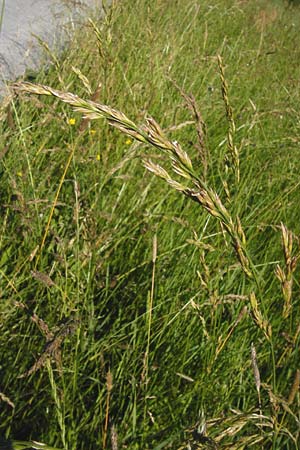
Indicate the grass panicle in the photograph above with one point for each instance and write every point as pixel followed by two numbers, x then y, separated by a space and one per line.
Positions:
pixel 181 163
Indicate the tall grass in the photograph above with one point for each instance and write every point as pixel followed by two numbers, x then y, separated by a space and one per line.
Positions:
pixel 150 249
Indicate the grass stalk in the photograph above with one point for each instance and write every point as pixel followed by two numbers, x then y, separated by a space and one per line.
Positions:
pixel 47 228
pixel 58 404
pixel 2 15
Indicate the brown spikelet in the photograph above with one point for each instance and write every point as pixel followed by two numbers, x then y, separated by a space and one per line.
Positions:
pixel 114 438
pixel 256 372
pixel 295 387
pixel 53 347
pixel 43 278
pixel 109 381
pixel 278 402
pixel 109 386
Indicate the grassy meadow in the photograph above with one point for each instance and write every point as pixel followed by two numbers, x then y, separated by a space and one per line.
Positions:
pixel 149 273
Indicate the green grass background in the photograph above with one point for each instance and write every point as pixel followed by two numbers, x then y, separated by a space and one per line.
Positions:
pixel 109 211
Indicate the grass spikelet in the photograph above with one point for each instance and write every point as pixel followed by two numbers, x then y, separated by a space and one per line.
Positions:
pixel 83 79
pixel 256 372
pixel 200 128
pixel 279 404
pixel 22 445
pixel 262 323
pixel 285 276
pixel 99 39
pixel 5 399
pixel 109 386
pixel 233 150
pixel 224 433
pixel 157 170
pixel 43 278
pixel 222 343
pixel 53 345
pixel 114 438
pixel 295 388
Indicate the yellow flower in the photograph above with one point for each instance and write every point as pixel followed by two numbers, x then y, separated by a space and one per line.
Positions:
pixel 128 141
pixel 72 121
pixel 20 174
pixel 98 157
pixel 92 131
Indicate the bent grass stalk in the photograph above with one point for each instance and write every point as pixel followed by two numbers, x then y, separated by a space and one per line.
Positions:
pixel 181 164
pixel 62 179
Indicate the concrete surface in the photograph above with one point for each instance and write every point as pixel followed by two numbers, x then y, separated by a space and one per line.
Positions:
pixel 51 20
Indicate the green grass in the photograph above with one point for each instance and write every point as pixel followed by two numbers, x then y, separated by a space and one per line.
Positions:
pixel 127 309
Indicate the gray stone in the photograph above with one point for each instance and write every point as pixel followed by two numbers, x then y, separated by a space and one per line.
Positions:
pixel 51 20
